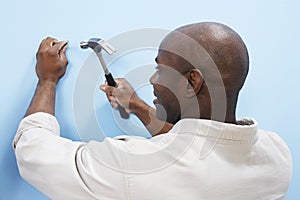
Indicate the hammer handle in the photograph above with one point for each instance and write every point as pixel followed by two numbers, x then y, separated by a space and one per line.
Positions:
pixel 111 82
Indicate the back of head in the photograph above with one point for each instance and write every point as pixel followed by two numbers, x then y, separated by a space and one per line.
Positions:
pixel 221 56
pixel 226 49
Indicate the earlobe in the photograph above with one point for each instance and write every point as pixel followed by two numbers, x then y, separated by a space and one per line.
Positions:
pixel 194 83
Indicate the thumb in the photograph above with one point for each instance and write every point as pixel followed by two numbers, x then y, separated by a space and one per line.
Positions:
pixel 107 89
pixel 62 50
pixel 61 47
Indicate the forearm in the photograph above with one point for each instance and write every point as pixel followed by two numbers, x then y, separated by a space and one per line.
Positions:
pixel 43 99
pixel 148 117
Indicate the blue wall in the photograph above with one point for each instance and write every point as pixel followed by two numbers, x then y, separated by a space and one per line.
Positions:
pixel 270 29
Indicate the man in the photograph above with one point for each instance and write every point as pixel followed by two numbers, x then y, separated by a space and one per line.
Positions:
pixel 200 150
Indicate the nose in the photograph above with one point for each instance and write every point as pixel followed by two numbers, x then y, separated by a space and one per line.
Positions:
pixel 153 78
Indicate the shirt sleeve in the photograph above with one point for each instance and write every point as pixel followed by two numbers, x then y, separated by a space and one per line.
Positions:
pixel 47 161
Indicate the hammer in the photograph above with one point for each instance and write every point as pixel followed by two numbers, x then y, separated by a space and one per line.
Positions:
pixel 97 45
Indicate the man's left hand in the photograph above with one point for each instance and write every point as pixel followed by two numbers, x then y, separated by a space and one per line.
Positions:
pixel 51 60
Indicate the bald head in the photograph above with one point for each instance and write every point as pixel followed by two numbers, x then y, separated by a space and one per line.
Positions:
pixel 219 54
pixel 225 47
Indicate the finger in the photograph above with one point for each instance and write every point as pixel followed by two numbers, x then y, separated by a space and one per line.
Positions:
pixel 121 82
pixel 64 49
pixel 114 105
pixel 127 110
pixel 118 80
pixel 107 96
pixel 102 88
pixel 109 90
pixel 60 46
pixel 50 41
pixel 53 41
pixel 46 43
pixel 112 99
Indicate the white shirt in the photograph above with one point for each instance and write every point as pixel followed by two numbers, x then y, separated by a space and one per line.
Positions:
pixel 197 159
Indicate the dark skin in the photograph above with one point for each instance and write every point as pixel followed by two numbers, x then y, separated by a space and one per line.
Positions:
pixel 186 90
pixel 50 67
pixel 133 104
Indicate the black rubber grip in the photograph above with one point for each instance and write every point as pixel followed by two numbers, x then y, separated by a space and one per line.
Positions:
pixel 111 82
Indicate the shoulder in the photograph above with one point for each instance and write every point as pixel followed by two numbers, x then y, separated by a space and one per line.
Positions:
pixel 273 140
pixel 273 147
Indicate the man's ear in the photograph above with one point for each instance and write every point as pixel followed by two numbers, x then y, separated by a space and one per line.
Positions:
pixel 195 82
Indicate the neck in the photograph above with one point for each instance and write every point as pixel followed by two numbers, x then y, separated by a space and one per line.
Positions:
pixel 226 116
pixel 225 113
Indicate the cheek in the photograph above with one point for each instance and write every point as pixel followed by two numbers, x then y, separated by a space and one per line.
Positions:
pixel 168 98
pixel 166 87
pixel 165 79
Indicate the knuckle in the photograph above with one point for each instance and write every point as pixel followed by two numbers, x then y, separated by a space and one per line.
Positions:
pixel 49 38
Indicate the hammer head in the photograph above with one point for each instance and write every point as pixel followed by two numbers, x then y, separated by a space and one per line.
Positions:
pixel 97 45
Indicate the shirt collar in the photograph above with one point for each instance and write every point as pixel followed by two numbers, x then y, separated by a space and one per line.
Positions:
pixel 225 132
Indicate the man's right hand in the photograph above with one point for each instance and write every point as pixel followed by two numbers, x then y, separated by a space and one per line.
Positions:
pixel 123 95
pixel 51 60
